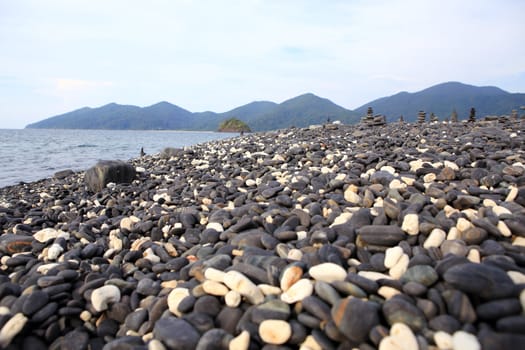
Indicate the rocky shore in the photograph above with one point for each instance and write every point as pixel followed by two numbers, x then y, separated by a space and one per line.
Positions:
pixel 397 236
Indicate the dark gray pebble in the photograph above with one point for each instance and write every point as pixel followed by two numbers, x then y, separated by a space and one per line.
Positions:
pixel 176 333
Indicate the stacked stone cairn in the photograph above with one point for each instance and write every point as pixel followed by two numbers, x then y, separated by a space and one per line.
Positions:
pixel 472 115
pixel 373 120
pixel 433 118
pixel 421 117
pixel 307 238
pixel 454 116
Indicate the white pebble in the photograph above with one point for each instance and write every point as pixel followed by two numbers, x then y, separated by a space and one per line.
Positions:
pixel 275 331
pixel 504 229
pixel 328 272
pixel 387 292
pixel 351 196
pixel 400 267
pixel 435 238
pixel 174 299
pixel 474 256
pixel 519 241
pixel 46 234
pixel 513 193
pixel 215 226
pixel 54 251
pixel 103 296
pixel 374 276
pixel 522 300
pixel 268 289
pixel 343 218
pixel 215 288
pixel 214 274
pixel 295 254
pixel 443 340
pixel 396 184
pixel 462 340
pixel 127 223
pixel 463 225
pixel 430 177
pixel 240 342
pixel 411 224
pixel 453 234
pixel 242 284
pixel 11 328
pixel 150 255
pixel 298 291
pixel 499 210
pixel 401 338
pixel 392 256
pixel 232 298
pixel 516 277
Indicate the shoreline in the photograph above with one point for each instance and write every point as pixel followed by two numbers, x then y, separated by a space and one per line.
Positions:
pixel 322 237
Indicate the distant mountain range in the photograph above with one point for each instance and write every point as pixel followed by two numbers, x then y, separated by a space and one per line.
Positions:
pixel 300 111
pixel 442 99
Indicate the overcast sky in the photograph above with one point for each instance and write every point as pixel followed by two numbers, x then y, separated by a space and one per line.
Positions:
pixel 61 55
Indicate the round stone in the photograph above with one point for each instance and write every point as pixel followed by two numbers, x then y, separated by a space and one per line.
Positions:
pixel 298 291
pixel 11 328
pixel 434 240
pixel 411 224
pixel 240 283
pixel 275 331
pixel 392 256
pixel 215 288
pixel 327 272
pixel 465 341
pixel 401 338
pixel 103 296
pixel 174 299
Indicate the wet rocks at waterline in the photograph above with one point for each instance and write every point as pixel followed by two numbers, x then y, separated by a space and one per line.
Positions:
pixel 398 236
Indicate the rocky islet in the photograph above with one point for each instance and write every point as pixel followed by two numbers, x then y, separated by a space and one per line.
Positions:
pixel 388 236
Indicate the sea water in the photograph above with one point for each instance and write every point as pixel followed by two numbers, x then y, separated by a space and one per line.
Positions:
pixel 32 154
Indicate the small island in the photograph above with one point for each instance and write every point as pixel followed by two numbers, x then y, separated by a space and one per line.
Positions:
pixel 234 125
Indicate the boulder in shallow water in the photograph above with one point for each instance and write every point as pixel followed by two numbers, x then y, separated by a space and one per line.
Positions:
pixel 106 171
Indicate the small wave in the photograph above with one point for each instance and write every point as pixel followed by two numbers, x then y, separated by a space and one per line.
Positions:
pixel 86 145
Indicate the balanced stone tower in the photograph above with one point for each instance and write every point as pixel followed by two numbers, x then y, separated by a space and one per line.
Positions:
pixel 433 117
pixel 472 116
pixel 454 116
pixel 373 120
pixel 421 117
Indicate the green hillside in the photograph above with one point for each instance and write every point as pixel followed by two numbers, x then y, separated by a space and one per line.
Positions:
pixel 442 99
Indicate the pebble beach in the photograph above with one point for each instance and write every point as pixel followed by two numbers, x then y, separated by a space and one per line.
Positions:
pixel 396 236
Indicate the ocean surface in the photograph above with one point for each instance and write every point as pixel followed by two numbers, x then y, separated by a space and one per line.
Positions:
pixel 33 154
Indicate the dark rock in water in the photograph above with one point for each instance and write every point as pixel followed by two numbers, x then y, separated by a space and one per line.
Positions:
pixel 355 318
pixel 176 333
pixel 479 279
pixel 106 171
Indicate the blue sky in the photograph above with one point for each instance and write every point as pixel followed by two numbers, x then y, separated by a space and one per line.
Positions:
pixel 61 55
